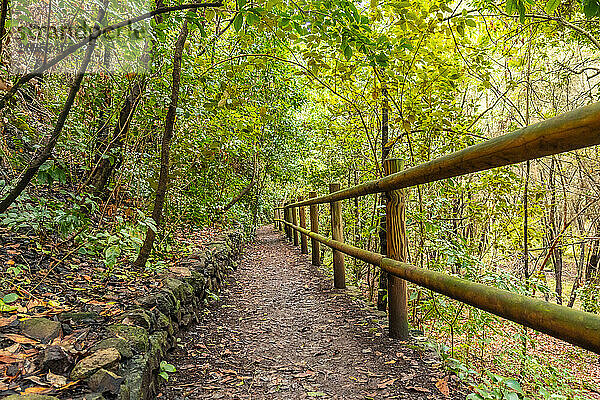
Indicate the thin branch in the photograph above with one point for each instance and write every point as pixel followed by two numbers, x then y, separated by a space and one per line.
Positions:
pixel 93 36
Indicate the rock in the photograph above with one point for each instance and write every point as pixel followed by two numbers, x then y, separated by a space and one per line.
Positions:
pixel 194 262
pixel 105 358
pixel 93 396
pixel 180 272
pixel 121 345
pixel 138 379
pixel 162 321
pixel 41 329
pixel 162 301
pixel 104 381
pixel 30 397
pixel 79 317
pixel 197 281
pixel 140 318
pixel 158 349
pixel 137 336
pixel 186 318
pixel 56 360
pixel 182 290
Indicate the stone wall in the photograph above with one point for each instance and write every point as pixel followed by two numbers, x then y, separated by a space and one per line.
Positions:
pixel 125 364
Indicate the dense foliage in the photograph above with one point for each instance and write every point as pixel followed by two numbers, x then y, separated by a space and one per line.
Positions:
pixel 280 98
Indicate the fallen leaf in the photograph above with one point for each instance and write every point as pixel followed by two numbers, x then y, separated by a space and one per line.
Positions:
pixel 305 374
pixel 35 379
pixel 384 384
pixel 37 390
pixel 4 86
pixel 419 389
pixel 7 321
pixel 6 359
pixel 56 380
pixel 35 303
pixel 68 385
pixel 20 338
pixel 442 385
pixel 229 371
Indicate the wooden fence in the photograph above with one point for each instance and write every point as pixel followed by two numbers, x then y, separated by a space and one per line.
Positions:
pixel 574 130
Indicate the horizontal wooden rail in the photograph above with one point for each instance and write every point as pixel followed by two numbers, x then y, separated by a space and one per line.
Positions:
pixel 570 131
pixel 573 326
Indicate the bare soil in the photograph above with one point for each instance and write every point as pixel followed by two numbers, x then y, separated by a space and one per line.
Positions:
pixel 280 331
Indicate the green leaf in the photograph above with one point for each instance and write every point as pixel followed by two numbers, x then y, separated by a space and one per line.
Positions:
pixel 474 396
pixel 507 395
pixel 164 375
pixel 237 22
pixel 514 385
pixel 521 8
pixel 170 368
pixel 551 5
pixel 511 7
pixel 5 307
pixel 445 8
pixel 10 298
pixel 590 8
pixel 347 52
pixel 316 394
pixel 251 19
pixel 241 3
pixel 166 367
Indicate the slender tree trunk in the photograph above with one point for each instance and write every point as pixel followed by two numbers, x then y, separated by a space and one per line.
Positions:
pixel 3 15
pixel 259 189
pixel 553 232
pixel 111 157
pixel 244 191
pixel 591 268
pixel 163 180
pixel 580 268
pixel 385 151
pixel 46 152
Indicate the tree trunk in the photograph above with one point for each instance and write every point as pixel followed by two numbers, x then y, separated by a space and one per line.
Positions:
pixel 46 152
pixel 163 180
pixel 244 191
pixel 111 157
pixel 385 151
pixel 591 269
pixel 3 14
pixel 557 260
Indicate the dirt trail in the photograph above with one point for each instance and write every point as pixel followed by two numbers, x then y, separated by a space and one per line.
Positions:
pixel 279 331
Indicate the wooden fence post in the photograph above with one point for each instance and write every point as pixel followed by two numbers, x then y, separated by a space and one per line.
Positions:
pixel 337 233
pixel 280 213
pixel 275 217
pixel 315 245
pixel 397 249
pixel 280 217
pixel 295 222
pixel 303 241
pixel 287 216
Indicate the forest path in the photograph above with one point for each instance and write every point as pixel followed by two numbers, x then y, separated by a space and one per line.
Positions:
pixel 280 331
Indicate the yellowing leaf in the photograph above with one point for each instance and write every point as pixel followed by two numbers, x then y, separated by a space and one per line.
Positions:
pixel 37 390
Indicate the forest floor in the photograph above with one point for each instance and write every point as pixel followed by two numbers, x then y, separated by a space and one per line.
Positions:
pixel 53 281
pixel 280 331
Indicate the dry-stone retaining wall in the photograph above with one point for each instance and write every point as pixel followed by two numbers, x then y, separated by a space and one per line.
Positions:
pixel 125 365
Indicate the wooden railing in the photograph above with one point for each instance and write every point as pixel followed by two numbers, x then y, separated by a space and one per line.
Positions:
pixel 574 130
